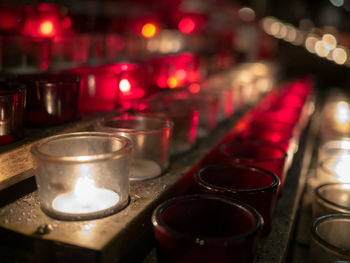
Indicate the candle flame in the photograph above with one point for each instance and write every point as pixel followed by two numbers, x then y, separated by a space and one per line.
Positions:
pixel 85 187
pixel 124 85
pixel 46 28
pixel 343 112
pixel 149 30
pixel 341 168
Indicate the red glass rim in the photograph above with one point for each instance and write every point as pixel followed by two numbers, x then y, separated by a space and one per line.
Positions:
pixel 158 221
pixel 249 143
pixel 179 110
pixel 200 177
pixel 11 87
pixel 49 79
pixel 90 70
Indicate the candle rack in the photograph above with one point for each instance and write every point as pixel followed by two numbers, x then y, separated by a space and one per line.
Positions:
pixel 27 234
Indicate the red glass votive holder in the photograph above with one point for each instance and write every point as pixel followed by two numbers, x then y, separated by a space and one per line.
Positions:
pixel 98 89
pixel 265 155
pixel 12 103
pixel 25 55
pixel 51 99
pixel 133 82
pixel 289 100
pixel 280 133
pixel 252 185
pixel 286 115
pixel 206 228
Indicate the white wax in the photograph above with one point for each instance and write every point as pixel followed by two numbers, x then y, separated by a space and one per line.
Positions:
pixel 102 199
pixel 85 197
pixel 144 169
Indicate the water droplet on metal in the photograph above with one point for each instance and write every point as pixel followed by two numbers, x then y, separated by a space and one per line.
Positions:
pixel 44 229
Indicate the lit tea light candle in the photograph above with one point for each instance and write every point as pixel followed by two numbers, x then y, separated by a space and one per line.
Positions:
pixel 336 118
pixel 82 175
pixel 341 168
pixel 86 197
pixel 335 169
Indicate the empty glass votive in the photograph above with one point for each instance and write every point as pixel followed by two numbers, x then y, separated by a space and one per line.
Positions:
pixel 12 103
pixel 82 175
pixel 208 108
pixel 51 99
pixel 330 239
pixel 265 155
pixel 206 228
pixel 151 138
pixel 184 116
pixel 331 198
pixel 252 185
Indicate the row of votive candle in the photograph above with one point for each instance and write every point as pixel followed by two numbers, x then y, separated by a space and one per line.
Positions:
pixel 329 187
pixel 235 189
pixel 134 146
pixel 42 100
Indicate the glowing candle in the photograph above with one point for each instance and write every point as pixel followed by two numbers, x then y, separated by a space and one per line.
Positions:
pixel 343 113
pixel 341 168
pixel 86 197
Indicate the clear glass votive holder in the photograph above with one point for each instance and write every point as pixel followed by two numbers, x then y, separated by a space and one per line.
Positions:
pixel 151 137
pixel 184 116
pixel 208 108
pixel 334 169
pixel 83 175
pixel 206 228
pixel 330 239
pixel 333 148
pixel 331 198
pixel 12 104
pixel 51 99
pixel 265 155
pixel 252 185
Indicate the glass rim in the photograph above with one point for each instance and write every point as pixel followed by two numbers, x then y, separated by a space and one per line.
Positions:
pixel 167 124
pixel 321 240
pixel 11 87
pixel 276 181
pixel 254 142
pixel 158 222
pixel 327 201
pixel 327 145
pixel 125 148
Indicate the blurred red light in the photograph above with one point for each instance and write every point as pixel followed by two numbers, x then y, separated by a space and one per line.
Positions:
pixel 187 25
pixel 7 21
pixel 66 22
pixel 149 30
pixel 46 28
pixel 194 88
pixel 124 86
pixel 173 82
